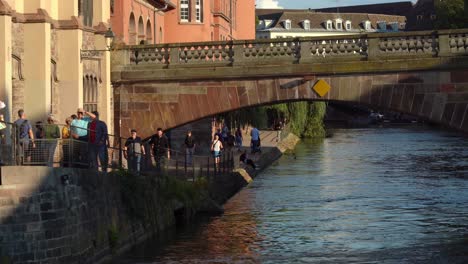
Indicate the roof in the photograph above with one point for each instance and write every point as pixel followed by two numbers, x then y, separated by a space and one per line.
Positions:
pixel 397 8
pixel 317 19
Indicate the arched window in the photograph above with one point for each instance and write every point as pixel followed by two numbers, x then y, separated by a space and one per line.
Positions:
pixel 90 92
pixel 367 25
pixel 160 35
pixel 149 33
pixel 132 30
pixel 141 30
pixel 338 24
pixel 348 25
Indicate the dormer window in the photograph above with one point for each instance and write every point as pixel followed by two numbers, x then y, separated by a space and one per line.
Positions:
pixel 394 26
pixel 367 25
pixel 348 25
pixel 306 24
pixel 329 25
pixel 338 24
pixel 382 25
pixel 287 24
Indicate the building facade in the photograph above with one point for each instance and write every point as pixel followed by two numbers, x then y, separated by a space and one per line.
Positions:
pixel 139 21
pixel 308 23
pixel 55 58
pixel 210 20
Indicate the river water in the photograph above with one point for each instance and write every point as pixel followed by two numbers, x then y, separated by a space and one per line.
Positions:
pixel 383 195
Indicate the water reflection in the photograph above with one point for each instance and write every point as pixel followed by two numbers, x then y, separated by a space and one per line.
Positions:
pixel 366 196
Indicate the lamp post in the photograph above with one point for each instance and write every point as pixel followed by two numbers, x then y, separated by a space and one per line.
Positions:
pixel 109 36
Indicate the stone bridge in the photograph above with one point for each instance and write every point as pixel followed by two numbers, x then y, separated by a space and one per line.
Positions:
pixel 168 85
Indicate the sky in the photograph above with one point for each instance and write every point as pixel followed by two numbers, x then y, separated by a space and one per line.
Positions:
pixel 302 4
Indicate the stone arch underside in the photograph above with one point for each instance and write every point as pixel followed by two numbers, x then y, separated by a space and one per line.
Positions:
pixel 438 96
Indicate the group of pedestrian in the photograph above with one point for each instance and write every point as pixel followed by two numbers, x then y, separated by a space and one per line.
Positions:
pixel 89 147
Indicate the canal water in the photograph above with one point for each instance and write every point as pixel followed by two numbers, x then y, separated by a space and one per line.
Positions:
pixel 383 195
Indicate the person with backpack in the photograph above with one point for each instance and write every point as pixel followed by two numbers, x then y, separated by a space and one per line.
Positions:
pixel 24 138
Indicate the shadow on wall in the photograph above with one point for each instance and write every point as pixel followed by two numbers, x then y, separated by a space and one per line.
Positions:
pixel 63 215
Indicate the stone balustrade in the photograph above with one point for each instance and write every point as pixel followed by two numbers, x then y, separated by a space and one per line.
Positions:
pixel 298 50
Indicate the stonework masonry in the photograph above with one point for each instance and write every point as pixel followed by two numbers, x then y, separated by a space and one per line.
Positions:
pixel 60 215
pixel 438 96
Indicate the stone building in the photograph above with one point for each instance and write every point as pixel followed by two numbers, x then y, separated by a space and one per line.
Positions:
pixel 139 21
pixel 308 23
pixel 56 58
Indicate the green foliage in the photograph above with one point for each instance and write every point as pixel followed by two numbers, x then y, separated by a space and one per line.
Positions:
pixel 186 192
pixel 304 119
pixel 451 14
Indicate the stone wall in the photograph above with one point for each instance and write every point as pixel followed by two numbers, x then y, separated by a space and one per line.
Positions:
pixel 18 81
pixel 45 218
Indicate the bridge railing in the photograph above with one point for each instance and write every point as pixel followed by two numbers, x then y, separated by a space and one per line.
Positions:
pixel 296 50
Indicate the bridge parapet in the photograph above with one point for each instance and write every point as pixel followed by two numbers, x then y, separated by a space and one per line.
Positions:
pixel 399 47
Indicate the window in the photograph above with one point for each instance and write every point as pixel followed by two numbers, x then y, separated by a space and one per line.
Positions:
pixel 306 24
pixel 419 17
pixel 394 26
pixel 329 25
pixel 348 25
pixel 367 25
pixel 85 10
pixel 287 24
pixel 184 10
pixel 90 93
pixel 433 17
pixel 339 24
pixel 199 10
pixel 382 25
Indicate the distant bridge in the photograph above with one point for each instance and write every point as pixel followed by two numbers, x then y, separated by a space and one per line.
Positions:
pixel 167 85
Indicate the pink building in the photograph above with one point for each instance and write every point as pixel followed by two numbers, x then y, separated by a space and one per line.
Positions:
pixel 210 20
pixel 163 21
pixel 139 21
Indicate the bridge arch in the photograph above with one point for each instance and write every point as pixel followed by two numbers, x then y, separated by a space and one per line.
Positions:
pixel 171 104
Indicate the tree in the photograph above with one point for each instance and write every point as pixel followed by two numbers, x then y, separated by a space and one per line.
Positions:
pixel 451 14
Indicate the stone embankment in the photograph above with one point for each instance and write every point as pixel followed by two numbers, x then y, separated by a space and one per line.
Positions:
pixel 67 215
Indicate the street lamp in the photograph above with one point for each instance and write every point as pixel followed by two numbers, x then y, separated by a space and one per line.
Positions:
pixel 109 36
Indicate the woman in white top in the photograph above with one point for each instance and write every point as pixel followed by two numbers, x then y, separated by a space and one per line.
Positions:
pixel 216 147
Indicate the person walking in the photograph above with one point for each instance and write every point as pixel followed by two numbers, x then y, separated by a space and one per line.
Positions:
pixel 98 140
pixel 133 151
pixel 160 145
pixel 24 138
pixel 189 148
pixel 239 139
pixel 51 133
pixel 216 147
pixel 255 140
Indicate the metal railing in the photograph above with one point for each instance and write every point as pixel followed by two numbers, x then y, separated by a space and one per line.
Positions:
pixel 70 152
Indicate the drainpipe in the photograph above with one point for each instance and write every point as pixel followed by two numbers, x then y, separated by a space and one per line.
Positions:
pixel 230 15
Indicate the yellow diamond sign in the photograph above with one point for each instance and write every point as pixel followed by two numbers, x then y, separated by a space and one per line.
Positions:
pixel 321 88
